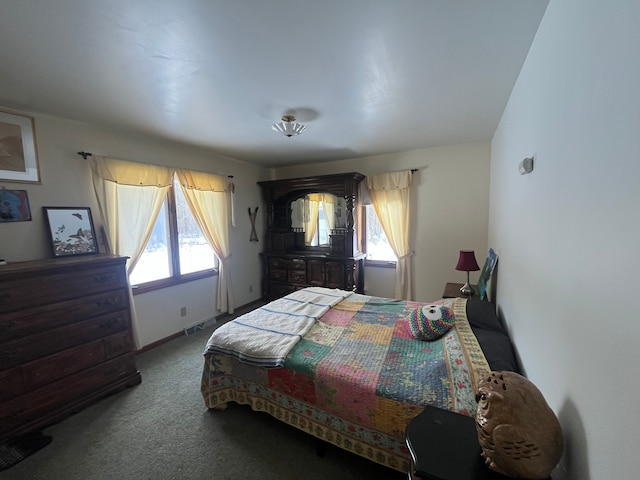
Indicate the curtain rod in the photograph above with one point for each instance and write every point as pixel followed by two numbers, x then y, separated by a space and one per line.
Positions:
pixel 89 154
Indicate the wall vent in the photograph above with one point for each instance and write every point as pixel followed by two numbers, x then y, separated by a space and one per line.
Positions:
pixel 199 326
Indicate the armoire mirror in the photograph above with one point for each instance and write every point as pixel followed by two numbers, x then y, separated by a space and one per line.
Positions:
pixel 317 215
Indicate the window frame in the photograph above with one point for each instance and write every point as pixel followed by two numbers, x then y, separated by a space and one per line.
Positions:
pixel 176 277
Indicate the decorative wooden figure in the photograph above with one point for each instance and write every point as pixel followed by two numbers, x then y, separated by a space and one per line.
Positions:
pixel 254 236
pixel 518 432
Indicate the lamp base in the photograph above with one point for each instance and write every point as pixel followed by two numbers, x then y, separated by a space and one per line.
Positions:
pixel 467 290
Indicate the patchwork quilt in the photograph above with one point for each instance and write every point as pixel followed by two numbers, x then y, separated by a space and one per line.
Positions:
pixel 357 377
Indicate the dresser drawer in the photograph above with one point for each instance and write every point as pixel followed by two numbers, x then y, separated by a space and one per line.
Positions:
pixel 40 319
pixel 22 350
pixel 277 263
pixel 19 293
pixel 297 277
pixel 117 344
pixel 53 367
pixel 278 274
pixel 296 264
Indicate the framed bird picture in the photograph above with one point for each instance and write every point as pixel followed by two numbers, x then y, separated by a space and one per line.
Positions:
pixel 71 231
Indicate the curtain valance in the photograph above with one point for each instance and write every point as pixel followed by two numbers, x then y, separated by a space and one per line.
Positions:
pixel 389 181
pixel 136 174
pixel 209 182
pixel 124 172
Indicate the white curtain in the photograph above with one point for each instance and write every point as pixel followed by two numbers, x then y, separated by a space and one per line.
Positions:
pixel 206 195
pixel 390 196
pixel 329 207
pixel 129 196
pixel 312 210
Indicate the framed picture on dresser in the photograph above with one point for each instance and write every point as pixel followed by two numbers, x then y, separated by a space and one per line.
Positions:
pixel 71 231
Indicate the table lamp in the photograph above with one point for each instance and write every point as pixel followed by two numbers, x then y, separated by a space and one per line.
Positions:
pixel 467 263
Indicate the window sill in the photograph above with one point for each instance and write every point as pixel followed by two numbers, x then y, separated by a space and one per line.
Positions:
pixel 170 282
pixel 380 263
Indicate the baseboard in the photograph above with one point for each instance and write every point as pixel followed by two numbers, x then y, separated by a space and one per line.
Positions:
pixel 199 326
pixel 241 309
pixel 157 343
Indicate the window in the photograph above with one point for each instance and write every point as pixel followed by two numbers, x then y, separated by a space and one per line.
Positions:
pixel 377 246
pixel 177 250
pixel 321 236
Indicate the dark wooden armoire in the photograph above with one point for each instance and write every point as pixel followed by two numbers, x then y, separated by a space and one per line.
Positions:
pixel 289 263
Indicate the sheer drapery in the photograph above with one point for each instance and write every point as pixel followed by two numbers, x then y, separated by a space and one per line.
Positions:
pixel 129 196
pixel 312 209
pixel 329 207
pixel 390 196
pixel 206 196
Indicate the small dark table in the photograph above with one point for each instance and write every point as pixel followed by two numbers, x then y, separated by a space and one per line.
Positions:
pixel 444 446
pixel 452 290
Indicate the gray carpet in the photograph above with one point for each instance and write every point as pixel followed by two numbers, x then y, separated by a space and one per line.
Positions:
pixel 161 429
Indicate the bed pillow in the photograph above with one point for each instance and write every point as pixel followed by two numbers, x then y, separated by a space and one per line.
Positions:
pixel 482 314
pixel 497 349
pixel 430 322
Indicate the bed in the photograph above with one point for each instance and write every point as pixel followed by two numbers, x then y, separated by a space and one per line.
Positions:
pixel 353 375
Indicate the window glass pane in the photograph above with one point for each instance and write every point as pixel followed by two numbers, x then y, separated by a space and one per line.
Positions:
pixel 323 229
pixel 154 264
pixel 195 252
pixel 378 247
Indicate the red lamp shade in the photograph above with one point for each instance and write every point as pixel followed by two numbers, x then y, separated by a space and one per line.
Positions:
pixel 467 261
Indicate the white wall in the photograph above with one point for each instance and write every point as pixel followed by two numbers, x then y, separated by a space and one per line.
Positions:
pixel 66 181
pixel 449 211
pixel 568 233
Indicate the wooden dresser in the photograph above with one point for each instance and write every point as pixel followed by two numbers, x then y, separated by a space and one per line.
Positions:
pixel 288 264
pixel 65 338
pixel 286 273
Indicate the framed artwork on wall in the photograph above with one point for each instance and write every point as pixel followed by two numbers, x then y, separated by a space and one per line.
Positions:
pixel 14 206
pixel 18 155
pixel 71 231
pixel 485 274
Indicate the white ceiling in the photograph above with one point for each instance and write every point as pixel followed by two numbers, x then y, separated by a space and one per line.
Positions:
pixel 365 76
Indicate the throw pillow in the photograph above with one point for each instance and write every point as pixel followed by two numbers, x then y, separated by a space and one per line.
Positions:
pixel 430 322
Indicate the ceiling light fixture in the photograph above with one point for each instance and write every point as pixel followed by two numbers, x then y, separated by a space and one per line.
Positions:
pixel 288 126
